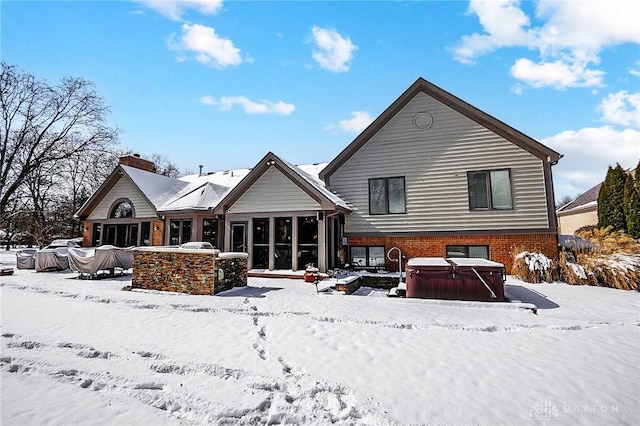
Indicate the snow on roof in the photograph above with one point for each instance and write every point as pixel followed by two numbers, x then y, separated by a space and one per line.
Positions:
pixel 196 196
pixel 157 188
pixel 228 178
pixel 310 173
pixel 201 192
pixel 578 208
pixel 231 178
pixel 589 197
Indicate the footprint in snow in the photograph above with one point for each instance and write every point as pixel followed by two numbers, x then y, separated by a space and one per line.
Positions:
pixel 262 352
pixel 25 345
pixel 262 333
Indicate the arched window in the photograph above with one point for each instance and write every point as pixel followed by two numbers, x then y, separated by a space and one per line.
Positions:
pixel 122 210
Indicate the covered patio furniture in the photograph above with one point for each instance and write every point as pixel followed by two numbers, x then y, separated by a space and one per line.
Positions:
pixel 25 258
pixel 104 258
pixel 47 260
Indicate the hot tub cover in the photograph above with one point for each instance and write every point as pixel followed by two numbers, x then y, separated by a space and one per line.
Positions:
pixel 474 262
pixel 428 261
pixel 91 260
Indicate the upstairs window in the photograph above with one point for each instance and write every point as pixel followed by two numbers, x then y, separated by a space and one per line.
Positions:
pixel 490 190
pixel 387 195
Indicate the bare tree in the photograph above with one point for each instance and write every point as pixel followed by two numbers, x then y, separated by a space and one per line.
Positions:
pixel 40 186
pixel 165 167
pixel 43 125
pixel 566 199
pixel 80 175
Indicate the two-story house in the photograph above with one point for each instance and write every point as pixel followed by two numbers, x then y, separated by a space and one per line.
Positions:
pixel 431 175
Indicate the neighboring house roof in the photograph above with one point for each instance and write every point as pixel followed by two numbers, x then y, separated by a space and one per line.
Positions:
pixel 584 201
pixel 421 85
pixel 300 175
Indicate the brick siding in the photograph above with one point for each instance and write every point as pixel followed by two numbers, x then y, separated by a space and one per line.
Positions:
pixel 86 234
pixel 157 233
pixel 500 246
pixel 137 162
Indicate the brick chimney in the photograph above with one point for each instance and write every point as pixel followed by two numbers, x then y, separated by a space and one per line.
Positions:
pixel 137 162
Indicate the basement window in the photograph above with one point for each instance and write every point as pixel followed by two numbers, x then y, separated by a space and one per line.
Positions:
pixel 367 257
pixel 481 252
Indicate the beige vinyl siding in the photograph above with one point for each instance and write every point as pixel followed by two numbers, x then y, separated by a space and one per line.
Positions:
pixel 435 163
pixel 274 192
pixel 124 188
pixel 569 223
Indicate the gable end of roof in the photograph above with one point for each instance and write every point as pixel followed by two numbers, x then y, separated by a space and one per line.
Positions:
pixel 321 195
pixel 525 142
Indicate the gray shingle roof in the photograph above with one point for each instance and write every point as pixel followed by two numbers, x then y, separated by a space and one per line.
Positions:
pixel 587 197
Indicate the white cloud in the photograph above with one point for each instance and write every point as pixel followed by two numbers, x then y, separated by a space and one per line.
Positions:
pixel 504 24
pixel 209 48
pixel 225 103
pixel 332 51
pixel 556 74
pixel 174 9
pixel 588 153
pixel 621 108
pixel 207 100
pixel 568 43
pixel 517 89
pixel 358 122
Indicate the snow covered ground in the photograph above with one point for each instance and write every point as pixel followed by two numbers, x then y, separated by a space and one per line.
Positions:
pixel 86 352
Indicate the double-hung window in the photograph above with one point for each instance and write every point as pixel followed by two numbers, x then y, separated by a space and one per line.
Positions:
pixel 179 231
pixel 387 195
pixel 490 190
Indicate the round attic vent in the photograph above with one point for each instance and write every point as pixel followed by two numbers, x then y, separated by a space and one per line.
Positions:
pixel 423 120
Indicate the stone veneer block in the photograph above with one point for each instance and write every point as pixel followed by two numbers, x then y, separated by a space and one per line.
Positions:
pixel 188 271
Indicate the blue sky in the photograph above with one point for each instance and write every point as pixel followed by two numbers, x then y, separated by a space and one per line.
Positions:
pixel 221 83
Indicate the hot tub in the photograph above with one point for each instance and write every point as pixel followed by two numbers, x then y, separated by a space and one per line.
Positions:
pixel 482 279
pixel 456 279
pixel 430 278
